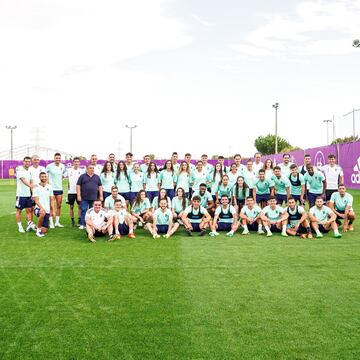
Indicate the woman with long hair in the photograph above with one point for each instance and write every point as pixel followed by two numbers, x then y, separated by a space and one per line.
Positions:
pixel 140 210
pixel 179 203
pixel 162 195
pixel 240 193
pixel 151 181
pixel 122 181
pixel 167 179
pixel 183 178
pixel 107 178
pixel 216 178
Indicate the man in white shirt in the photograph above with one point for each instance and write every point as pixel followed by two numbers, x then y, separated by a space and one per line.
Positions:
pixel 285 165
pixel 258 164
pixel 334 176
pixel 35 169
pixel 98 222
pixel 97 167
pixel 73 175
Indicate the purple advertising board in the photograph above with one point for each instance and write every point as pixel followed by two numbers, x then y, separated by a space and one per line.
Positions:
pixel 348 158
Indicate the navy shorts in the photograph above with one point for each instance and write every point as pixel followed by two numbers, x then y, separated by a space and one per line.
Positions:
pixel 261 198
pixel 280 199
pixel 253 227
pixel 106 194
pixel 322 229
pixel 162 229
pixel 301 229
pixel 196 227
pixel 45 223
pixel 125 195
pixel 132 196
pixel 296 197
pixel 328 194
pixel 222 226
pixel 58 192
pixel 312 197
pixel 151 195
pixel 123 229
pixel 240 203
pixel 23 202
pixel 170 193
pixel 274 228
pixel 71 198
pixel 251 192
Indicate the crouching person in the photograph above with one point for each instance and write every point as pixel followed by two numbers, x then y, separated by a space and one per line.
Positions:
pixel 297 220
pixel 162 221
pixel 274 218
pixel 98 222
pixel 196 218
pixel 225 218
pixel 122 221
pixel 250 217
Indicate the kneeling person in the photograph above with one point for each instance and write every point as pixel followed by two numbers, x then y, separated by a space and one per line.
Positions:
pixel 250 217
pixel 122 221
pixel 297 222
pixel 162 221
pixel 323 219
pixel 274 218
pixel 195 217
pixel 44 198
pixel 225 218
pixel 98 222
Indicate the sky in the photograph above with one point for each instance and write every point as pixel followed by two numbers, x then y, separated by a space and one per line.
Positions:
pixel 196 76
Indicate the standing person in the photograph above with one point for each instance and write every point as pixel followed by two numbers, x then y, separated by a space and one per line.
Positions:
pixel 297 182
pixel 258 164
pixel 206 165
pixel 145 165
pixel 162 195
pixel 107 178
pixel 274 218
pixel 224 188
pixel 221 160
pixel 216 179
pixel 323 219
pixel 225 219
pixel 341 204
pixel 233 174
pixel 239 166
pixel 303 168
pixel 122 222
pixel 109 201
pixel 179 203
pixel 196 218
pixel 268 168
pixel 56 171
pixel 282 186
pixel 98 221
pixel 140 209
pixel 188 161
pixel 240 193
pixel 122 181
pixel 162 221
pixel 111 158
pixel 250 217
pixel 297 220
pixel 263 187
pixel 94 162
pixel 199 176
pixel 43 196
pixel 206 200
pixel 36 169
pixel 334 176
pixel 174 161
pixel 129 162
pixel 87 188
pixel 315 184
pixel 250 176
pixel 136 182
pixel 23 194
pixel 183 177
pixel 73 175
pixel 151 181
pixel 167 179
pixel 285 165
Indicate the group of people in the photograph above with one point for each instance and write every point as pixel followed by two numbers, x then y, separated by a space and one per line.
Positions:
pixel 117 197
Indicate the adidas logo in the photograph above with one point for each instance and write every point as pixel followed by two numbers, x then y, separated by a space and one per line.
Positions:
pixel 355 177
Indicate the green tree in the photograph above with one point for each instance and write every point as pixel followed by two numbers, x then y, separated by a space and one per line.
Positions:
pixel 345 140
pixel 266 144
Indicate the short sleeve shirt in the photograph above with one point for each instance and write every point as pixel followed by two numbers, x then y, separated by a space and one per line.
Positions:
pixel 273 214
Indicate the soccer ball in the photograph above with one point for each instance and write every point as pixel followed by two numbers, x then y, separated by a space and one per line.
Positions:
pixel 356 43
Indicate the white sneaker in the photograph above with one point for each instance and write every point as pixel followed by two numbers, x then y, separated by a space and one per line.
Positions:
pixel 260 232
pixel 81 227
pixel 245 232
pixel 59 225
pixel 30 226
pixel 21 229
pixel 269 234
pixel 39 234
pixel 51 226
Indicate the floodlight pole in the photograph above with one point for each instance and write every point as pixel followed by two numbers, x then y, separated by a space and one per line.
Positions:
pixel 11 128
pixel 131 134
pixel 275 106
pixel 327 130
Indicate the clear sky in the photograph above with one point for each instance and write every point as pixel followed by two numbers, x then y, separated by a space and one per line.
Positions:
pixel 193 75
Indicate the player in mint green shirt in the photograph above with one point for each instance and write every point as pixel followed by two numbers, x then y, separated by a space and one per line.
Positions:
pixel 151 181
pixel 56 171
pixel 136 182
pixel 281 186
pixel 315 183
pixel 167 179
pixel 107 178
pixel 341 204
pixel 297 182
pixel 162 221
pixel 179 203
pixel 183 177
pixel 224 188
pixel 206 200
pixel 157 199
pixel 250 217
pixel 323 219
pixel 263 186
pixel 199 176
pixel 240 193
pixel 140 209
pixel 274 218
pixel 23 194
pixel 122 181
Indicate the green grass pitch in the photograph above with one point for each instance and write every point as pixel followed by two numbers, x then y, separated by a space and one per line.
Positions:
pixel 180 298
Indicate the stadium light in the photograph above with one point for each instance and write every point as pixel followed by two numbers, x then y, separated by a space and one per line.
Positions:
pixel 11 128
pixel 353 114
pixel 275 106
pixel 131 130
pixel 327 129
